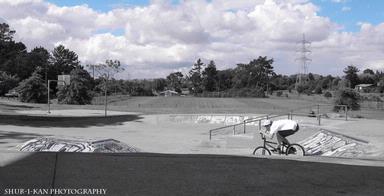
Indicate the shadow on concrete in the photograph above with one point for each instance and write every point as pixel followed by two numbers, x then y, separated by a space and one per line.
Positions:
pixel 10 137
pixel 163 174
pixel 17 135
pixel 15 107
pixel 48 121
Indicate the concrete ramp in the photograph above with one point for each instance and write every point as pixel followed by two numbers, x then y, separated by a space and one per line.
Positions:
pixel 48 144
pixel 328 143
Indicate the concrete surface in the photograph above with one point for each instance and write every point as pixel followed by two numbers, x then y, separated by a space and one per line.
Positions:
pixel 73 113
pixel 164 174
pixel 162 134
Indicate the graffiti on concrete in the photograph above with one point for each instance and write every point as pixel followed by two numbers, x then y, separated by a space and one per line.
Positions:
pixel 218 119
pixel 203 119
pixel 183 118
pixel 326 143
pixel 212 119
pixel 47 144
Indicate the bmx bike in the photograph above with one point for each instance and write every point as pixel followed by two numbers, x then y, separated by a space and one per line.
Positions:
pixel 268 147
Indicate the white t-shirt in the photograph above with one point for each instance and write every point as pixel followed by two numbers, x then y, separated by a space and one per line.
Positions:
pixel 281 125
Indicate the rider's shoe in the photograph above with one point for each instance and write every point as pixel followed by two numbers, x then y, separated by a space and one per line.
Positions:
pixel 276 151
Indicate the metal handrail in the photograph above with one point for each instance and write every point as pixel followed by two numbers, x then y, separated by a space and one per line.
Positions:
pixel 270 116
pixel 250 119
pixel 234 126
pixel 246 121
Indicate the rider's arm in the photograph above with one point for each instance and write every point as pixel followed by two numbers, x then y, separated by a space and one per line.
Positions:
pixel 268 134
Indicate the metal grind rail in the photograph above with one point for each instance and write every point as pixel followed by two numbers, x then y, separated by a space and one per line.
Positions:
pixel 289 115
pixel 215 131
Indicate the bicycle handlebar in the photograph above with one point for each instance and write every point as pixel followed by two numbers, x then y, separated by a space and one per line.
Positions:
pixel 262 135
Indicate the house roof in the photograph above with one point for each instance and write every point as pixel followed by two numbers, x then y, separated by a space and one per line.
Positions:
pixel 363 85
pixel 169 91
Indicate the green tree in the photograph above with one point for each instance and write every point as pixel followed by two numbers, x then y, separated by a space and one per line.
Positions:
pixel 174 81
pixel 351 75
pixel 257 73
pixel 327 94
pixel 159 84
pixel 6 34
pixel 33 89
pixel 380 85
pixel 7 82
pixel 318 90
pixel 367 78
pixel 369 71
pixel 210 77
pixel 347 97
pixel 195 77
pixel 304 88
pixel 63 61
pixel 225 79
pixel 12 54
pixel 78 91
pixel 311 77
pixel 38 57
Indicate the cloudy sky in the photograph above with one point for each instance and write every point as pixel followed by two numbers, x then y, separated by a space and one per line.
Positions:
pixel 154 38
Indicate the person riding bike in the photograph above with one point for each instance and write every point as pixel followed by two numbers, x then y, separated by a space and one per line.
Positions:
pixel 282 129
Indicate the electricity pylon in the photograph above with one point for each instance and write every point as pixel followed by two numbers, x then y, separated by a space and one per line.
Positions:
pixel 303 60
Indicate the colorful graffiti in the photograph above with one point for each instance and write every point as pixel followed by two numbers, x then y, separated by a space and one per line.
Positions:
pixel 326 143
pixel 46 144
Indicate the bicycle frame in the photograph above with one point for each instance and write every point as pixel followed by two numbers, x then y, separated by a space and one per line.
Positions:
pixel 269 144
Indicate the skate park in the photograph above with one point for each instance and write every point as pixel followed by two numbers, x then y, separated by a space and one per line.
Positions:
pixel 179 154
pixel 231 134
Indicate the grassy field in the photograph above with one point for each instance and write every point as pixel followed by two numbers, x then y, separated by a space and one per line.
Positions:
pixel 193 105
pixel 165 105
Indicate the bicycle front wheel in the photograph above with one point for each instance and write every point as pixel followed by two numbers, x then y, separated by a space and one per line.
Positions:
pixel 295 149
pixel 261 151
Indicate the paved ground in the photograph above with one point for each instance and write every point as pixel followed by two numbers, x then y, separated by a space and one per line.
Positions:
pixel 163 174
pixel 158 134
pixel 73 113
pixel 177 174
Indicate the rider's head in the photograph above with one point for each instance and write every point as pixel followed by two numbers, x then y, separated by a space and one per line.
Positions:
pixel 267 124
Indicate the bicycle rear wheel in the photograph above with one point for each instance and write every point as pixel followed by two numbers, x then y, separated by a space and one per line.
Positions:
pixel 295 149
pixel 261 151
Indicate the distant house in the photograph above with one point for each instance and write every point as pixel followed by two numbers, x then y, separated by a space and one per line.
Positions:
pixel 363 87
pixel 12 93
pixel 185 91
pixel 168 93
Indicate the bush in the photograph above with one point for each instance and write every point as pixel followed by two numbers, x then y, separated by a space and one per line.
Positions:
pixel 7 82
pixel 279 93
pixel 347 97
pixel 79 91
pixel 33 89
pixel 318 90
pixel 328 94
pixel 304 88
pixel 290 88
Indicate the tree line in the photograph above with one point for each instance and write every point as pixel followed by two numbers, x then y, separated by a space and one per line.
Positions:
pixel 29 72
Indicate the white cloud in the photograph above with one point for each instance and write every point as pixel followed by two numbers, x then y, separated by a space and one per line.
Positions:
pixel 163 37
